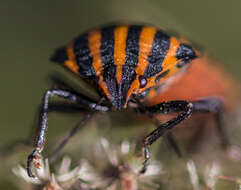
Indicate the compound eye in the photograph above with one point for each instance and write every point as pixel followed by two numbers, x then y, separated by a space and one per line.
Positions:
pixel 142 81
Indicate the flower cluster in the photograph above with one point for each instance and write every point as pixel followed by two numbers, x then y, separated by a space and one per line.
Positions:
pixel 119 170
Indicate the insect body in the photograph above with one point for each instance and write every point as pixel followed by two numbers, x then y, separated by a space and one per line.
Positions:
pixel 124 62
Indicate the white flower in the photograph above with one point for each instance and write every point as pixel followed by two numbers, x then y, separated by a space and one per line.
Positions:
pixel 63 179
pixel 112 167
pixel 121 168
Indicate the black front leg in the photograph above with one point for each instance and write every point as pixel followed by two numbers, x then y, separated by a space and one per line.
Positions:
pixel 185 108
pixel 35 156
pixel 169 137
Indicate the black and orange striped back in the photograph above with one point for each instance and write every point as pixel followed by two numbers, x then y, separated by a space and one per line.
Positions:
pixel 125 59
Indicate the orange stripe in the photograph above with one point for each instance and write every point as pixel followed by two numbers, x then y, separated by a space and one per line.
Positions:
pixel 133 87
pixel 70 51
pixel 71 63
pixel 145 46
pixel 94 38
pixel 104 86
pixel 120 35
pixel 170 61
pixel 170 58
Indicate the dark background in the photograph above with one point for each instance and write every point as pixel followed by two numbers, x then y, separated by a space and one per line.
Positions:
pixel 31 30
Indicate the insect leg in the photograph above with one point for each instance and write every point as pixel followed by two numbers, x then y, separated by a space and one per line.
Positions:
pixel 185 108
pixel 213 105
pixel 169 138
pixel 35 156
pixel 81 123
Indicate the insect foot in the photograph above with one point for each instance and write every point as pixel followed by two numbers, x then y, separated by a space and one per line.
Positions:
pixel 34 159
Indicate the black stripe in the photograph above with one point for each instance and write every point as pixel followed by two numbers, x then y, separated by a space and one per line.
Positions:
pixel 83 56
pixel 111 82
pixel 182 63
pixel 128 76
pixel 60 55
pixel 118 93
pixel 107 46
pixel 159 50
pixel 132 45
pixel 186 52
pixel 163 74
pixel 144 93
pixel 107 59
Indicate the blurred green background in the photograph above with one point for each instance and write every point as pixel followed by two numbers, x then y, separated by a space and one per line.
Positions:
pixel 31 30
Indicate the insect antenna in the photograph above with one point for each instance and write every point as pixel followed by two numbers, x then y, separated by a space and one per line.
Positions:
pixel 54 156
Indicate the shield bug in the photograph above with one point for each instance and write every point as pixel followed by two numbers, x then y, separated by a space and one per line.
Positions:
pixel 125 63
